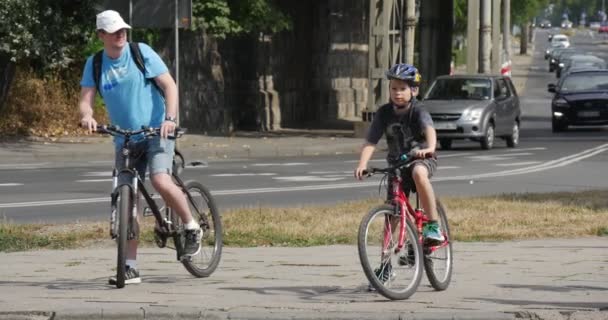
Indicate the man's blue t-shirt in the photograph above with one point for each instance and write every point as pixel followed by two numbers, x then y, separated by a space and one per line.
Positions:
pixel 131 101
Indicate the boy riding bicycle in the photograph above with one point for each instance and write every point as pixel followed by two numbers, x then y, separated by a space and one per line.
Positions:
pixel 407 127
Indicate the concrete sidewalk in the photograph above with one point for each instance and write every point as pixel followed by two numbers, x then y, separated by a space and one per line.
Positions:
pixel 540 279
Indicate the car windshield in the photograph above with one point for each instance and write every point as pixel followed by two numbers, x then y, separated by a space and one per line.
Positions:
pixel 460 89
pixel 585 82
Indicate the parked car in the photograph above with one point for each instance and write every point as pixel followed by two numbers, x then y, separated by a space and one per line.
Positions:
pixel 603 28
pixel 580 99
pixel 566 24
pixel 545 24
pixel 560 38
pixel 475 107
pixel 594 25
pixel 549 51
pixel 556 56
pixel 580 61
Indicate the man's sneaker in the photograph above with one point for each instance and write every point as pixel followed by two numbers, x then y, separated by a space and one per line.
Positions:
pixel 432 234
pixel 131 276
pixel 192 246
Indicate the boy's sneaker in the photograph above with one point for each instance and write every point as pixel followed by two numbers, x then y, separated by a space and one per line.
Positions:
pixel 192 246
pixel 131 276
pixel 432 234
pixel 384 273
pixel 408 257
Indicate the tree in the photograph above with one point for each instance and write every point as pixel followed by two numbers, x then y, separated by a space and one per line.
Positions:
pixel 222 18
pixel 522 12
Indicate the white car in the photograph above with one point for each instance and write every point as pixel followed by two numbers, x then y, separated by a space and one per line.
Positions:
pixel 566 24
pixel 560 39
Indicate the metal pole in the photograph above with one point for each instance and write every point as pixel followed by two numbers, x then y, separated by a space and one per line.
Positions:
pixel 472 36
pixel 410 29
pixel 485 41
pixel 130 20
pixel 177 57
pixel 506 28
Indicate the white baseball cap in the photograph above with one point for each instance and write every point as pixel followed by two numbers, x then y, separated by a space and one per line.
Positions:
pixel 110 21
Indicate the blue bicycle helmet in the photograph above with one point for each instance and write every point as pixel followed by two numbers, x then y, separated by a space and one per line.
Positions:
pixel 405 72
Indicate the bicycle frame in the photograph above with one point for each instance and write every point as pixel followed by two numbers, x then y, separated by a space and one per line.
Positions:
pixel 405 210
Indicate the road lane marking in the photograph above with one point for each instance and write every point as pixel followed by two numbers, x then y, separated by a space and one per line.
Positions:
pixel 242 174
pixel 560 162
pixel 515 164
pixel 95 180
pixel 308 178
pixel 287 164
pixel 10 184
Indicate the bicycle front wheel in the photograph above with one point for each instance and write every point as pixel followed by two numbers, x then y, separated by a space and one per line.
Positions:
pixel 203 209
pixel 394 273
pixel 125 206
pixel 438 260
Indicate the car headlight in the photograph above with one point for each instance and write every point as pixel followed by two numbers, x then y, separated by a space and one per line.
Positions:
pixel 471 115
pixel 561 103
pixel 561 65
pixel 547 51
pixel 552 60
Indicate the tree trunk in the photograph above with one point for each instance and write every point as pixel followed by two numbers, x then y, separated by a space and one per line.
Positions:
pixel 7 72
pixel 523 39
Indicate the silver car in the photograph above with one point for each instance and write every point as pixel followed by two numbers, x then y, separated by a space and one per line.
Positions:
pixel 475 107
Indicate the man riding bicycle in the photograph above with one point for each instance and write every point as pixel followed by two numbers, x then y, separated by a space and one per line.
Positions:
pixel 407 126
pixel 134 99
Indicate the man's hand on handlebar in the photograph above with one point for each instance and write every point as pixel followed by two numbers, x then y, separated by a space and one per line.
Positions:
pixel 361 172
pixel 87 122
pixel 424 153
pixel 167 128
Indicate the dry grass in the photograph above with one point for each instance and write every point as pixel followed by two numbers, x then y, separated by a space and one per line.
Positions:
pixel 503 217
pixel 45 107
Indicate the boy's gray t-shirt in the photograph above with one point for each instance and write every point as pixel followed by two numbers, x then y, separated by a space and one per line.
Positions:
pixel 403 132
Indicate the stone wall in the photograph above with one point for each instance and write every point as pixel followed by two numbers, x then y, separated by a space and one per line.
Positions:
pixel 313 76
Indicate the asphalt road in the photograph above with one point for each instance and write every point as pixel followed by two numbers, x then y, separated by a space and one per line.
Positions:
pixel 543 162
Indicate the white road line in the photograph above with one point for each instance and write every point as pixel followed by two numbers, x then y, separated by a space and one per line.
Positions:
pixel 447 167
pixel 97 174
pixel 514 164
pixel 242 174
pixel 287 164
pixel 20 165
pixel 329 172
pixel 564 161
pixel 95 180
pixel 308 178
pixel 10 184
pixel 498 157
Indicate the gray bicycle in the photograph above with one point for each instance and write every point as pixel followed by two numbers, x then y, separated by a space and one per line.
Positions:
pixel 124 202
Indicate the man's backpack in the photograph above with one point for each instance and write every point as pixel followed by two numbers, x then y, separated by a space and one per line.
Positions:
pixel 137 58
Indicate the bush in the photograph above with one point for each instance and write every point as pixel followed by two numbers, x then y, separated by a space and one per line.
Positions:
pixel 45 107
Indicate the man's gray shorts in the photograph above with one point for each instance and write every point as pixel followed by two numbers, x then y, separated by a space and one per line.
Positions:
pixel 154 153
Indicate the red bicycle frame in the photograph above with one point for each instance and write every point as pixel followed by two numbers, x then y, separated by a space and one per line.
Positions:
pixel 401 201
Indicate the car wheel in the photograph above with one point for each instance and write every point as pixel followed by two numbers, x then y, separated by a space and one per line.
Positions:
pixel 445 144
pixel 487 142
pixel 558 126
pixel 513 139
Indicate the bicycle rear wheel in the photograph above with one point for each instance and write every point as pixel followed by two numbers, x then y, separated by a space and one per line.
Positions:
pixel 125 204
pixel 387 271
pixel 438 260
pixel 203 209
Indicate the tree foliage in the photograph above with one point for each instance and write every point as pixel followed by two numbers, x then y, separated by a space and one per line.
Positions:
pixel 223 18
pixel 522 11
pixel 44 34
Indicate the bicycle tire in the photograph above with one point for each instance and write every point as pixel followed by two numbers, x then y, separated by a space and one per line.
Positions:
pixel 440 281
pixel 124 210
pixel 206 213
pixel 374 222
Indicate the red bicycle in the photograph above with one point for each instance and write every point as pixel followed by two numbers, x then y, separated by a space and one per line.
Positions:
pixel 391 248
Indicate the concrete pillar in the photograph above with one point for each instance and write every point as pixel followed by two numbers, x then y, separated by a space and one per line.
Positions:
pixel 496 43
pixel 435 37
pixel 506 28
pixel 472 36
pixel 410 28
pixel 485 34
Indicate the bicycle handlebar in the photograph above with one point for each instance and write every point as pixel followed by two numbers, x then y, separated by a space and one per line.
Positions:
pixel 405 160
pixel 147 131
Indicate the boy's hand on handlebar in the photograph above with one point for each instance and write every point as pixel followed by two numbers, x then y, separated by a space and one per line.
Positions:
pixel 425 153
pixel 167 128
pixel 88 123
pixel 360 172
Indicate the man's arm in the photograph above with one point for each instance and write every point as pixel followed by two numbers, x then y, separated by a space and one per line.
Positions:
pixel 366 154
pixel 167 84
pixel 87 99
